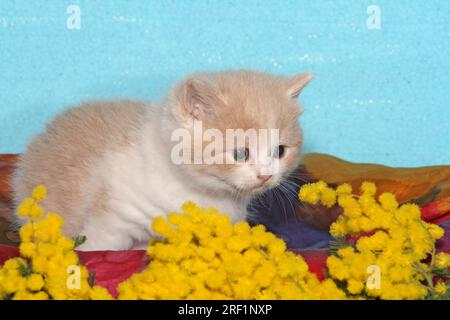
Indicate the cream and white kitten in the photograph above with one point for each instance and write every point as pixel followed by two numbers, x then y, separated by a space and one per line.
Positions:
pixel 107 164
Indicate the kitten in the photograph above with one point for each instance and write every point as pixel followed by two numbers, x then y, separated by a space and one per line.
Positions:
pixel 108 165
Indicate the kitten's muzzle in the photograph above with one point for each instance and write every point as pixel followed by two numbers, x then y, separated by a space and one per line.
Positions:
pixel 263 178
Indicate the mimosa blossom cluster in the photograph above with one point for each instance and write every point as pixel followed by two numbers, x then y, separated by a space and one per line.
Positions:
pixel 200 254
pixel 390 237
pixel 46 260
pixel 204 256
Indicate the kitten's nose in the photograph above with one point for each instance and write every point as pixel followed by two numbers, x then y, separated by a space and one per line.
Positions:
pixel 264 177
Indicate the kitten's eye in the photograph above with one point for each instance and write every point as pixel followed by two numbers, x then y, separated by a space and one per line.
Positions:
pixel 241 154
pixel 279 152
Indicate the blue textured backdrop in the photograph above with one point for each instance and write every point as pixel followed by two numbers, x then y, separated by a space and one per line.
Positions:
pixel 379 95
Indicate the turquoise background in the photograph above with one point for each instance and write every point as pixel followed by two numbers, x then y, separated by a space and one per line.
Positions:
pixel 378 96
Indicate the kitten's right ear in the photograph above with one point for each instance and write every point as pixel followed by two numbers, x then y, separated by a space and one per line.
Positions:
pixel 295 84
pixel 198 98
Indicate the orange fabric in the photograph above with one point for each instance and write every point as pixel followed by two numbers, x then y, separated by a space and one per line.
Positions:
pixel 7 164
pixel 8 233
pixel 405 183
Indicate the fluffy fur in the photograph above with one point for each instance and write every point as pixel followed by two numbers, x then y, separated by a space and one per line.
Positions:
pixel 107 164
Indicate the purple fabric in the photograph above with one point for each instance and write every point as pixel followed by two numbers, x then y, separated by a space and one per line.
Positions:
pixel 275 210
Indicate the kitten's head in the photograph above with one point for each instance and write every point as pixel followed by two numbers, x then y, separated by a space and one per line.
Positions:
pixel 244 128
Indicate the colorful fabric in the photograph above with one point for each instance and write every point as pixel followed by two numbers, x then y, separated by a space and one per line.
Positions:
pixel 282 214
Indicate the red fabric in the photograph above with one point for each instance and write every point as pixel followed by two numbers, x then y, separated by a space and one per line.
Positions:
pixel 316 260
pixel 113 267
pixel 436 211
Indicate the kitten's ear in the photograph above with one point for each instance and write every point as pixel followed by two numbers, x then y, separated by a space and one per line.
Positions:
pixel 295 84
pixel 198 98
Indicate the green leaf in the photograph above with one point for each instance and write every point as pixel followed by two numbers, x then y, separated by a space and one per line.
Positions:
pixel 8 296
pixel 25 270
pixel 91 279
pixel 325 273
pixel 441 272
pixel 445 296
pixel 79 240
pixel 337 244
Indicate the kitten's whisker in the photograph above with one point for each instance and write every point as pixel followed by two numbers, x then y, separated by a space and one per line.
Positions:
pixel 293 195
pixel 297 174
pixel 293 184
pixel 279 198
pixel 288 196
pixel 292 190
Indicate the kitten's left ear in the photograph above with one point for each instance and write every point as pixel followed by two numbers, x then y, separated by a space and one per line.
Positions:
pixel 199 98
pixel 295 84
